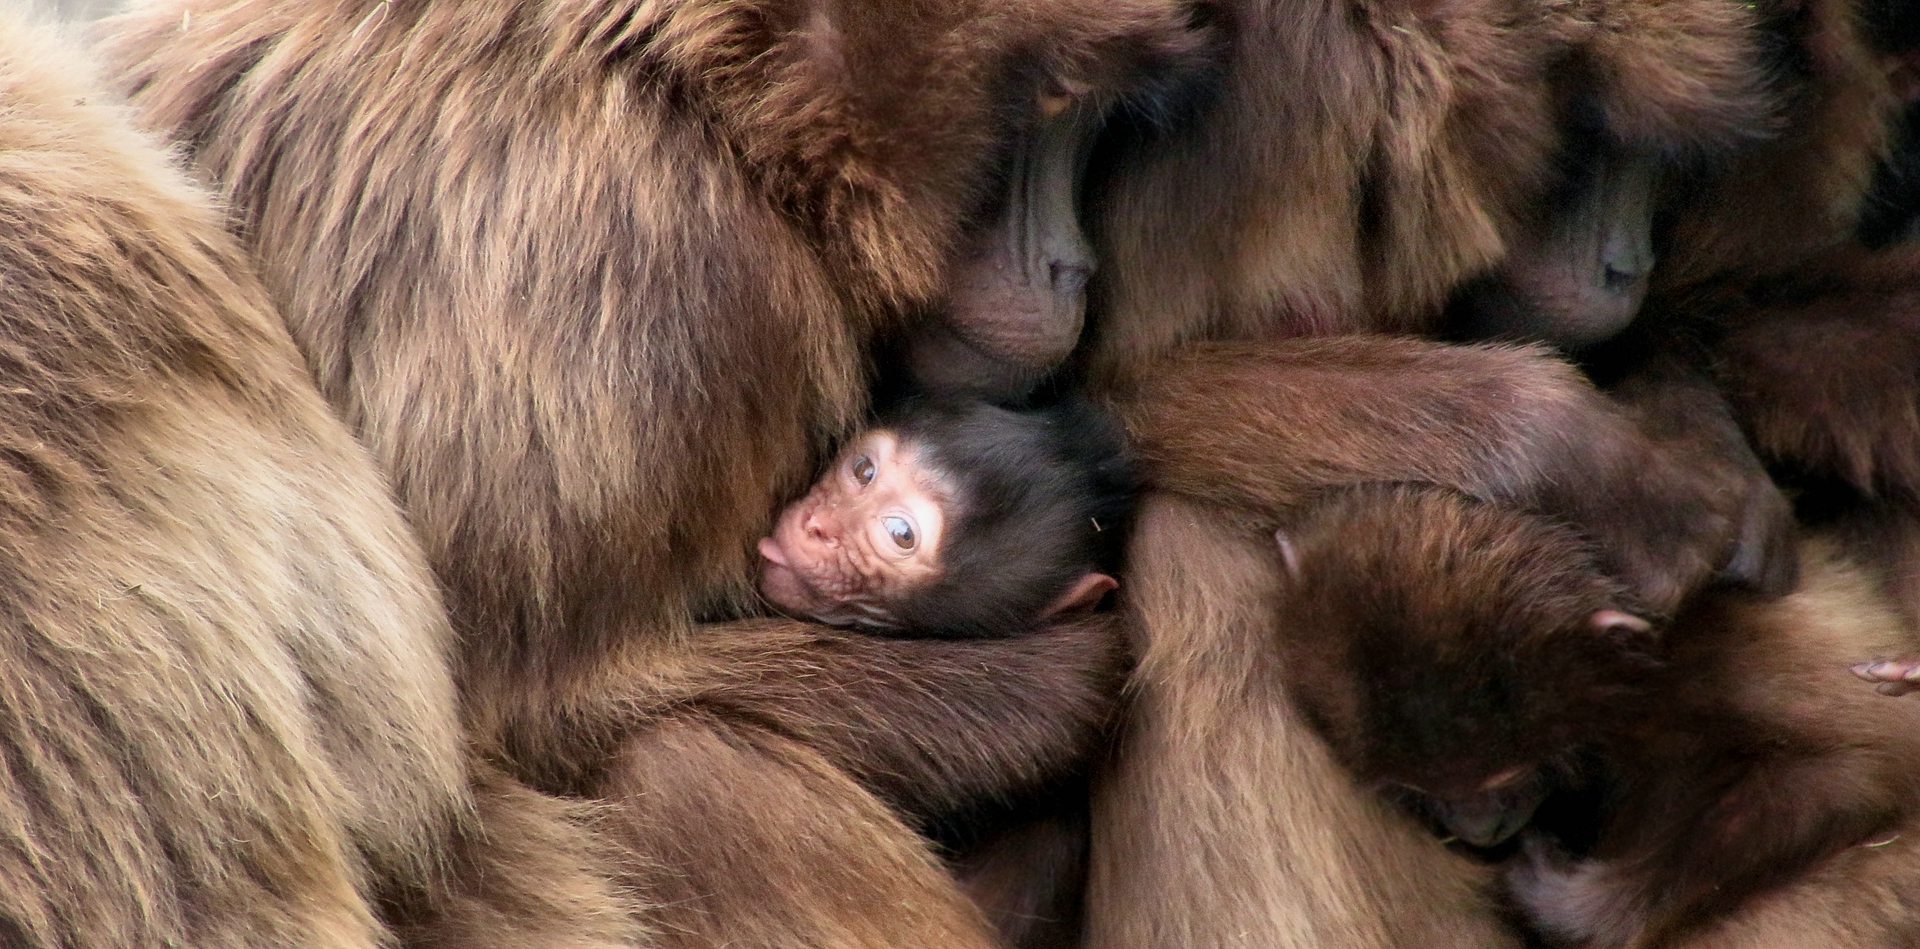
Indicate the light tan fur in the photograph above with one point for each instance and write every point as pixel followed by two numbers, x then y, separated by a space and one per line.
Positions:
pixel 1223 820
pixel 226 707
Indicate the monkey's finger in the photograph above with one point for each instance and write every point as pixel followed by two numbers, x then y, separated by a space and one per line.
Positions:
pixel 1888 670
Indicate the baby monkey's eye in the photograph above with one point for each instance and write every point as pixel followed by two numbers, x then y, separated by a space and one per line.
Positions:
pixel 863 469
pixel 901 530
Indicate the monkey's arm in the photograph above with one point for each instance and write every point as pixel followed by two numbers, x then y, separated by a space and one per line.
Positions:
pixel 926 724
pixel 1832 387
pixel 1262 426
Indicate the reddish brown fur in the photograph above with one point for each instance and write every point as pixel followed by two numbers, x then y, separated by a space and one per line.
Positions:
pixel 1437 642
pixel 226 695
pixel 1814 346
pixel 595 282
pixel 1236 436
pixel 1765 768
pixel 1261 427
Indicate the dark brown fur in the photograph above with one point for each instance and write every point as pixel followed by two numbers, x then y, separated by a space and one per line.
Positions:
pixel 1236 436
pixel 227 708
pixel 1437 642
pixel 595 282
pixel 1809 318
pixel 1362 160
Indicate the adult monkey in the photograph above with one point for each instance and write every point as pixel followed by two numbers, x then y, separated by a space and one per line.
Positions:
pixel 227 707
pixel 1362 162
pixel 595 281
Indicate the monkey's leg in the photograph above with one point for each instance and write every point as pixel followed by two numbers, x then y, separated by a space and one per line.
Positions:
pixel 1223 820
pixel 793 853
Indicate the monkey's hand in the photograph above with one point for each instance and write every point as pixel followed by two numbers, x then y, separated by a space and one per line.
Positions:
pixel 1705 452
pixel 1895 676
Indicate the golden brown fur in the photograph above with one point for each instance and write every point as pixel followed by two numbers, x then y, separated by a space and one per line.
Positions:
pixel 595 282
pixel 1223 820
pixel 226 702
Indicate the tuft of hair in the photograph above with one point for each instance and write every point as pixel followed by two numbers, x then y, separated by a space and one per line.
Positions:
pixel 1042 497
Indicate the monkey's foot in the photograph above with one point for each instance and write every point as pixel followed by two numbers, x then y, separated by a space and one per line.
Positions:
pixel 1895 676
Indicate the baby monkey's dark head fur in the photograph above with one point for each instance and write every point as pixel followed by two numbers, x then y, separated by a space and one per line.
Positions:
pixel 954 518
pixel 1455 648
pixel 1042 499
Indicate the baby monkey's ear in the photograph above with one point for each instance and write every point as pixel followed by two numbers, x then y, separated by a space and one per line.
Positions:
pixel 1085 594
pixel 1619 622
pixel 1289 556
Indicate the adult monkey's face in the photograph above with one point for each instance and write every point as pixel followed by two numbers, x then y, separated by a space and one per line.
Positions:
pixel 1019 294
pixel 865 537
pixel 1577 276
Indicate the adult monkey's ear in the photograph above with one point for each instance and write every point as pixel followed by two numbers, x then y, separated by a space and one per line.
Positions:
pixel 1085 594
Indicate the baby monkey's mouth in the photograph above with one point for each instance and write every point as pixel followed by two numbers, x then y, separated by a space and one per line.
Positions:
pixel 789 591
pixel 782 585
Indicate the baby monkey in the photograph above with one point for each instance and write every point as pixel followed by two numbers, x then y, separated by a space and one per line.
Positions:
pixel 957 519
pixel 1476 665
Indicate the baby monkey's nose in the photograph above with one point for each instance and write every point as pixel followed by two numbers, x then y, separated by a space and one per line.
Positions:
pixel 822 530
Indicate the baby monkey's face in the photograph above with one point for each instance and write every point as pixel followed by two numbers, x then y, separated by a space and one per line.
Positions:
pixel 864 538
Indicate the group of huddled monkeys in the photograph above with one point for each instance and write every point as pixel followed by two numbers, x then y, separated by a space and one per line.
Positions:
pixel 1286 473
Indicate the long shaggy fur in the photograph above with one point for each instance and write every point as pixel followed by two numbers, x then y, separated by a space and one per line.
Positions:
pixel 595 282
pixel 1222 814
pixel 227 717
pixel 1360 161
pixel 1796 268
